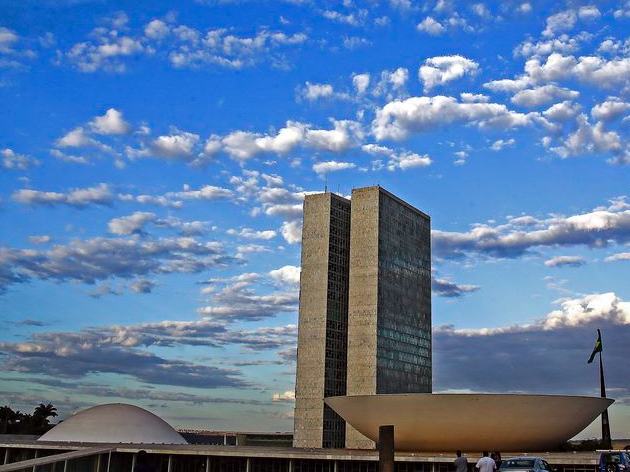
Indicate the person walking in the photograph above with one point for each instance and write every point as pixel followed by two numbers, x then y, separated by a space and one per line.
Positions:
pixel 461 463
pixel 485 464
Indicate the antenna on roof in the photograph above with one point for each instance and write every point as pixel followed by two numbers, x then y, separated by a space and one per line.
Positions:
pixel 338 189
pixel 326 183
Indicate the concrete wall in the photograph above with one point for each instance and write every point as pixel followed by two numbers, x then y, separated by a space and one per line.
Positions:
pixel 309 383
pixel 322 329
pixel 362 302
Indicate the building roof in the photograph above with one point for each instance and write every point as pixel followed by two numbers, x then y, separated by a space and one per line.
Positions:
pixel 115 423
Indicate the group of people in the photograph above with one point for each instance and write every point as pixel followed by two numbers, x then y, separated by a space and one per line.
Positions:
pixel 485 464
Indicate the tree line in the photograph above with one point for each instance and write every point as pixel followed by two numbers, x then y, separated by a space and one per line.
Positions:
pixel 16 422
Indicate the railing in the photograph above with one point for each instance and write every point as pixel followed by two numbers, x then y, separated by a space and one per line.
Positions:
pixel 65 459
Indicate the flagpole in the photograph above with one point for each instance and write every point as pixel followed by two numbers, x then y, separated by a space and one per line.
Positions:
pixel 606 439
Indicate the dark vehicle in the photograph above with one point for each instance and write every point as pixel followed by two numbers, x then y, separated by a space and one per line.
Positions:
pixel 614 462
pixel 526 464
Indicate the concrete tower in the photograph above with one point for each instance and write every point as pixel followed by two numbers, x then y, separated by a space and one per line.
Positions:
pixel 365 308
pixel 389 301
pixel 323 321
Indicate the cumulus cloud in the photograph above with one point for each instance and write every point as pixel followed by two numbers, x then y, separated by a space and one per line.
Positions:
pixel 609 110
pixel 396 160
pixel 313 92
pixel 538 96
pixel 598 228
pixel 431 26
pixel 112 122
pixel 287 274
pixel 249 233
pixel 99 259
pixel 79 198
pixel 283 397
pixel 446 288
pixel 622 256
pixel 13 161
pixel 442 69
pixel 332 166
pixel 553 349
pixel 401 118
pixel 562 21
pixel 132 224
pixel 237 300
pixel 242 145
pixel 79 138
pixel 156 29
pixel 292 231
pixel 499 144
pixel 565 261
pixel 116 350
pixel 588 139
pixel 361 82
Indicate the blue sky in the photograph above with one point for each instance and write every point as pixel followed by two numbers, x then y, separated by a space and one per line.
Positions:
pixel 154 159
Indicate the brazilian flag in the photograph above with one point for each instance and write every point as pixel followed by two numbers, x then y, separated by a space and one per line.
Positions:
pixel 597 348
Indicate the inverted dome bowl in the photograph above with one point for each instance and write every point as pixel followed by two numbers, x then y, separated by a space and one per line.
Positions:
pixel 472 422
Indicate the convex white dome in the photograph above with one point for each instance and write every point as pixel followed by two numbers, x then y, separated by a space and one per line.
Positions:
pixel 114 423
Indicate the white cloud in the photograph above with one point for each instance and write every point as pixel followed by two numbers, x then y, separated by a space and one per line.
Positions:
pixel 474 97
pixel 622 256
pixel 562 21
pixel 361 82
pixel 78 138
pixel 14 161
pixel 499 144
pixel 178 146
pixel 524 7
pixel 597 228
pixel 565 261
pixel 431 26
pixel 249 233
pixel 332 166
pixel 112 122
pixel 354 19
pixel 8 38
pixel 41 239
pixel 81 197
pixel 105 54
pixel 588 139
pixel 397 160
pixel 589 12
pixel 207 192
pixel 292 231
pixel 538 96
pixel 313 92
pixel 398 119
pixel 132 224
pixel 283 397
pixel 563 111
pixel 287 274
pixel 609 110
pixel 442 69
pixel 156 29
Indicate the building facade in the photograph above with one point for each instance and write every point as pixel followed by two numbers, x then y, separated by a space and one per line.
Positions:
pixel 323 321
pixel 365 308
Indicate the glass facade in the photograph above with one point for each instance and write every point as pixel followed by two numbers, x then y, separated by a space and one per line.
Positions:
pixel 404 298
pixel 334 431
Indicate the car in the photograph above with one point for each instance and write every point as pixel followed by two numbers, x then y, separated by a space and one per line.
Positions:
pixel 614 461
pixel 526 464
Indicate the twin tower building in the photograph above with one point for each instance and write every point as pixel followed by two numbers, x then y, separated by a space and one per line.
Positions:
pixel 365 308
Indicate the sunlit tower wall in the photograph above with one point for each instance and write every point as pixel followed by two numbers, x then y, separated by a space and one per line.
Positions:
pixel 323 321
pixel 389 313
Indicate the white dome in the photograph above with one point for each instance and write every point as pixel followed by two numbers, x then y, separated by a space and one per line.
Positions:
pixel 114 423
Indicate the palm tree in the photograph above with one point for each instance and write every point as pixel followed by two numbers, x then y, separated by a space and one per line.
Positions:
pixel 43 412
